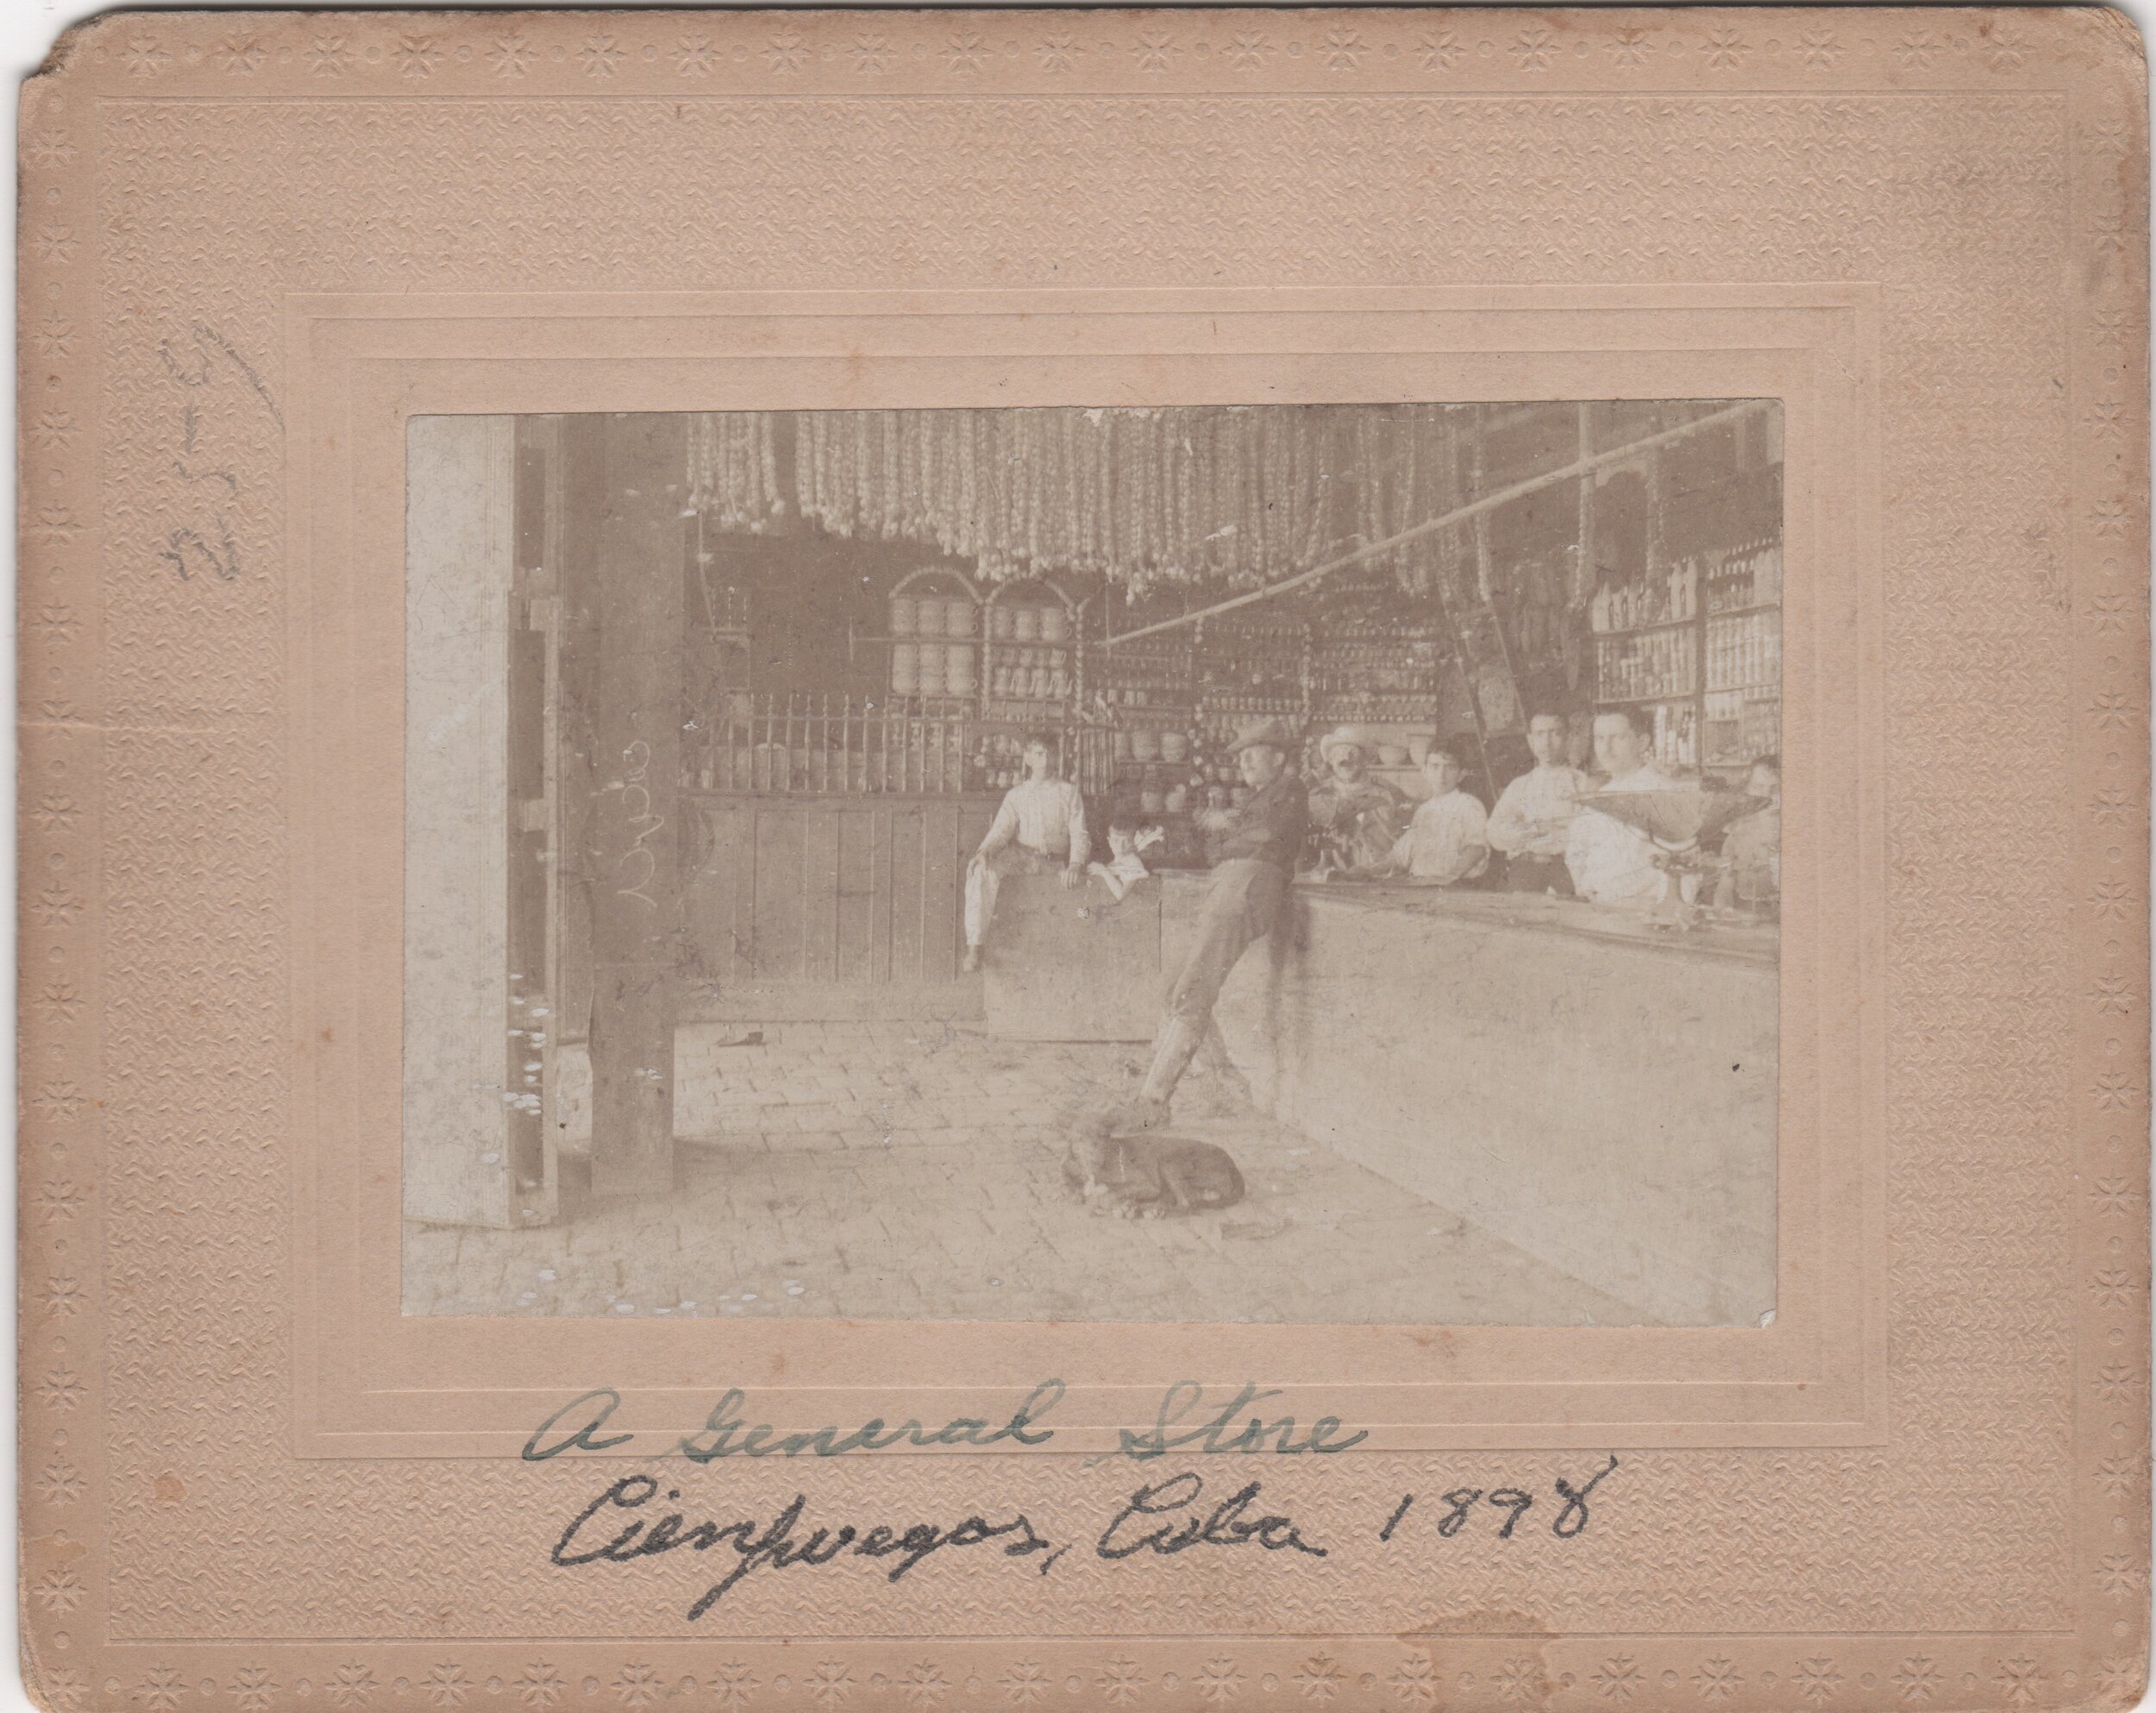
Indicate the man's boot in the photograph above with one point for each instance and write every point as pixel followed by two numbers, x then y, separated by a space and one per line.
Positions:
pixel 1230 1089
pixel 1173 1048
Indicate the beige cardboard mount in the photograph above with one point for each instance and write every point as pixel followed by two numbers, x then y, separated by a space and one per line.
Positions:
pixel 258 245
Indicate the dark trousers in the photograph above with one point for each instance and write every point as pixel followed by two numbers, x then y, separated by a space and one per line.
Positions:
pixel 1524 872
pixel 1241 905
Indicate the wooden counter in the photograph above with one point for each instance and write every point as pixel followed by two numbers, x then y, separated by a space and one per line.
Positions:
pixel 1595 1090
pixel 808 906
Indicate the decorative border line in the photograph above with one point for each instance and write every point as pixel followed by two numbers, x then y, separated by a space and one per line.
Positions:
pixel 1841 1403
pixel 60 1094
pixel 1049 52
pixel 2108 461
pixel 1522 1671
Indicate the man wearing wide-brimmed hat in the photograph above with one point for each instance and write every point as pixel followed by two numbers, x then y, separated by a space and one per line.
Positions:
pixel 1358 818
pixel 1254 848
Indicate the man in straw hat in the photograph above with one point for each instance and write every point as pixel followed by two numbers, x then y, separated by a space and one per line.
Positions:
pixel 1358 818
pixel 1253 848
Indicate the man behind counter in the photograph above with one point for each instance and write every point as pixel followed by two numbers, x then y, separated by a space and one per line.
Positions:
pixel 1358 818
pixel 1534 814
pixel 1253 848
pixel 1611 862
pixel 1447 841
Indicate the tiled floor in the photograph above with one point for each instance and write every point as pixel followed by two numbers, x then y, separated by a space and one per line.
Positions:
pixel 896 1170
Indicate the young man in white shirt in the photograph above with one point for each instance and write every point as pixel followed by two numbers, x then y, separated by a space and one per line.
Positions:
pixel 1611 862
pixel 1534 814
pixel 1447 841
pixel 1041 824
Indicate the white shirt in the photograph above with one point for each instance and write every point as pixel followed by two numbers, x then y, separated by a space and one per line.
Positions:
pixel 1547 793
pixel 1438 840
pixel 1609 862
pixel 1047 815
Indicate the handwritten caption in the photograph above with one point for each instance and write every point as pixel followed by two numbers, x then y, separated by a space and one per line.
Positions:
pixel 636 1517
pixel 576 1427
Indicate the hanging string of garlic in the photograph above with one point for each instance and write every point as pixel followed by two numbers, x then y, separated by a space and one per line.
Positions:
pixel 1245 494
pixel 733 467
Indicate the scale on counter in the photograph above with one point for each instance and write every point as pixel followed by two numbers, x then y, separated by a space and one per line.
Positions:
pixel 1678 816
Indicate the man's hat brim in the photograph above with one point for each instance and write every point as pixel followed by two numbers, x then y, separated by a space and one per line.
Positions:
pixel 1272 734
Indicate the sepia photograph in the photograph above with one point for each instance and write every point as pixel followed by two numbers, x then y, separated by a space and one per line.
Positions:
pixel 1207 863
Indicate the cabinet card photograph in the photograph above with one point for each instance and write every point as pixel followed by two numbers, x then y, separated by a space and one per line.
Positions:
pixel 1184 861
pixel 1282 862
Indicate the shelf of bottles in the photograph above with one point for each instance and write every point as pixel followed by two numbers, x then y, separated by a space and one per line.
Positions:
pixel 1032 662
pixel 1141 677
pixel 1696 655
pixel 1742 707
pixel 1250 671
pixel 1375 674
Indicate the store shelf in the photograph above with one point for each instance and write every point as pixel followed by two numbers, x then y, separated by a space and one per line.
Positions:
pixel 1742 611
pixel 1660 624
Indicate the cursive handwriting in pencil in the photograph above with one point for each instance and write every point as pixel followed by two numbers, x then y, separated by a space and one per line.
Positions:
pixel 774 1545
pixel 725 1435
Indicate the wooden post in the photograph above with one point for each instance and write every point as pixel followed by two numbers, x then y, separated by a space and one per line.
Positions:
pixel 1471 670
pixel 629 473
pixel 531 741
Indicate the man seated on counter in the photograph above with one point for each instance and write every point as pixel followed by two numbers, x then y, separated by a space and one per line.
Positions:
pixel 1609 862
pixel 1040 825
pixel 1446 842
pixel 1534 814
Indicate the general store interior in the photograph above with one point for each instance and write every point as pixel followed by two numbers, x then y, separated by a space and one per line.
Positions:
pixel 868 612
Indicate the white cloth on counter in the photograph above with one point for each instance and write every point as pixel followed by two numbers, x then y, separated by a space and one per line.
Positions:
pixel 1545 793
pixel 1437 844
pixel 1611 862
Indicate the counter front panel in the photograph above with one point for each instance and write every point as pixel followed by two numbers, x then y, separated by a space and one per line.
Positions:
pixel 1598 1092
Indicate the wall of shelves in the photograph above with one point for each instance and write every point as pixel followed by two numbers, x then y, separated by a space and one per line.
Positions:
pixel 1689 640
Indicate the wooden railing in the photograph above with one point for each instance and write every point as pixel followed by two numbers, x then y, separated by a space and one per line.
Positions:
pixel 933 746
pixel 914 746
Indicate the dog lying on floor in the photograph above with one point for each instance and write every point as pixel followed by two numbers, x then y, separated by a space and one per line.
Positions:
pixel 1121 1158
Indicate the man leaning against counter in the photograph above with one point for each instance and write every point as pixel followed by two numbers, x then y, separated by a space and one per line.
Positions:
pixel 1254 848
pixel 1609 862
